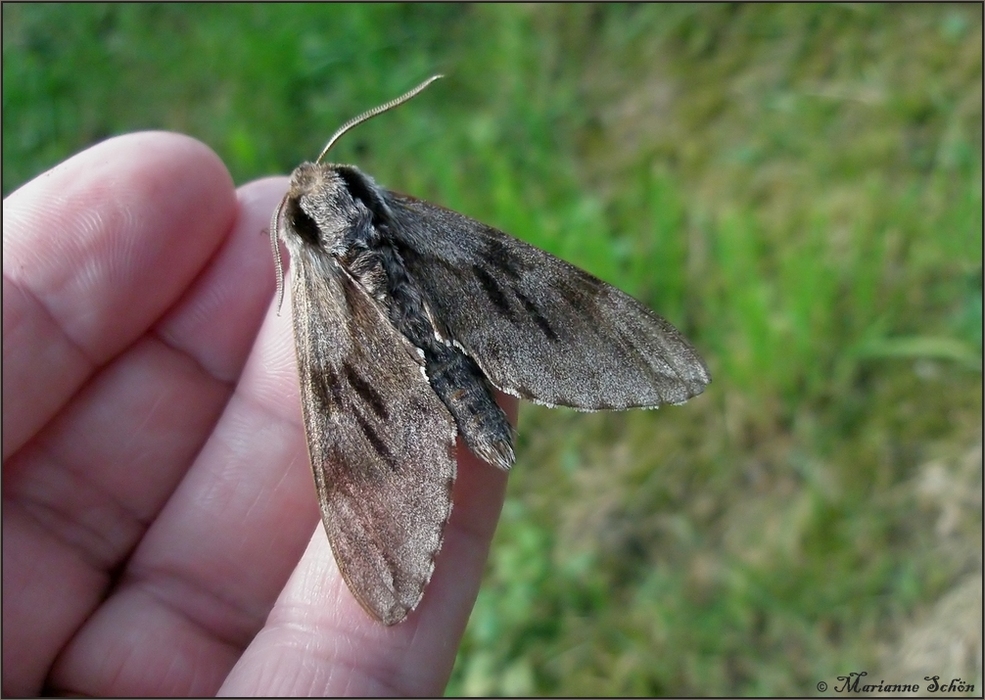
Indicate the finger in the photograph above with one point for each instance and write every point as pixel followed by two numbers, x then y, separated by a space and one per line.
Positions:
pixel 210 567
pixel 220 551
pixel 93 252
pixel 91 259
pixel 318 641
pixel 207 573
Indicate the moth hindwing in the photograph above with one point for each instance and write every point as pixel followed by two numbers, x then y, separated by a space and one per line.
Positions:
pixel 406 317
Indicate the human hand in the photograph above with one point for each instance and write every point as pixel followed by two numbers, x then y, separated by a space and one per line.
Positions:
pixel 158 505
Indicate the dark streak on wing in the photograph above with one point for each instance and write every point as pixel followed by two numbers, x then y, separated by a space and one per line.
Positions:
pixel 366 392
pixel 327 390
pixel 539 318
pixel 499 256
pixel 374 439
pixel 493 291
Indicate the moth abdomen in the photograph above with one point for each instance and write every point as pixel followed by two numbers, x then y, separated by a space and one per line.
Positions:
pixel 465 391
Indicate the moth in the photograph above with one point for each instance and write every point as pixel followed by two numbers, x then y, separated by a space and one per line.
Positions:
pixel 406 317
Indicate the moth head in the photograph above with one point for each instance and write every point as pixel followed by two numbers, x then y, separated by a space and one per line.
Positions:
pixel 312 214
pixel 332 206
pixel 325 200
pixel 317 208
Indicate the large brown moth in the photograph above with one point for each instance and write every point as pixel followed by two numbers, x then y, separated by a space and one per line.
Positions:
pixel 406 317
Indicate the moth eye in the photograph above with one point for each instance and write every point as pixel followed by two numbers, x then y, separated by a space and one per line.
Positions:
pixel 303 225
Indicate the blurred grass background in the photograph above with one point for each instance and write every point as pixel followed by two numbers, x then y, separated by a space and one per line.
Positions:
pixel 797 187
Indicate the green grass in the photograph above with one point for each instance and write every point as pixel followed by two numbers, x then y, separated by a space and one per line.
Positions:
pixel 798 187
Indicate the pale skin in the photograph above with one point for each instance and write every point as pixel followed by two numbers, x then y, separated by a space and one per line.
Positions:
pixel 160 523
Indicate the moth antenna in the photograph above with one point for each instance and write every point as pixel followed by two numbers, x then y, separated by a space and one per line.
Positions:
pixel 275 244
pixel 366 116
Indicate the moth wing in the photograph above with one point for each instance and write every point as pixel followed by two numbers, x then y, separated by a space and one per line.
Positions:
pixel 540 328
pixel 380 441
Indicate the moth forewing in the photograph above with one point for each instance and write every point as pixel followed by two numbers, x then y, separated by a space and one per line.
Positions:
pixel 380 441
pixel 540 328
pixel 406 315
